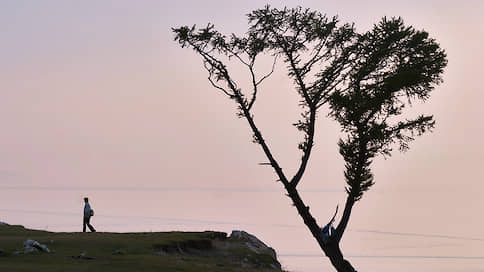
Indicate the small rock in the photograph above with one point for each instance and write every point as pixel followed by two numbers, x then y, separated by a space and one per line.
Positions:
pixel 31 246
pixel 28 250
pixel 119 252
pixel 44 248
pixel 83 256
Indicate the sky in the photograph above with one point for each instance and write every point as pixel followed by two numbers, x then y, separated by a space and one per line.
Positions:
pixel 96 99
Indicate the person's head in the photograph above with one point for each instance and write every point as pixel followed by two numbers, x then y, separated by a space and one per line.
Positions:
pixel 86 199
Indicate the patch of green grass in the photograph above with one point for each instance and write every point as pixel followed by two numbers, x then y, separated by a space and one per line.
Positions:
pixel 136 252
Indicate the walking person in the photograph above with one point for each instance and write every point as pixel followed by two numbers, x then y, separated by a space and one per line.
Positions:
pixel 88 212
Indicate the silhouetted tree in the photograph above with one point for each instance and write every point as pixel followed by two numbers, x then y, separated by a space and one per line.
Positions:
pixel 366 79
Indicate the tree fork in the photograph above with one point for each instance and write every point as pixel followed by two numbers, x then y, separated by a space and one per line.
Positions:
pixel 331 247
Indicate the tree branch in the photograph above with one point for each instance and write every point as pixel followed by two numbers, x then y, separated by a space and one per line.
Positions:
pixel 344 219
pixel 210 74
pixel 270 73
pixel 315 58
pixel 294 70
pixel 308 147
pixel 261 141
pixel 299 79
pixel 256 84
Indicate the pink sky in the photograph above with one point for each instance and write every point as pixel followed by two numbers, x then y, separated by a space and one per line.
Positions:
pixel 96 99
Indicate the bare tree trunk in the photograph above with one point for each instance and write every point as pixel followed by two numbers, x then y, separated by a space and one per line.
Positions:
pixel 332 250
pixel 330 247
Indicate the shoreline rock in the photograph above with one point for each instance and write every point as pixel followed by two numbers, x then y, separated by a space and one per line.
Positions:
pixel 31 246
pixel 253 243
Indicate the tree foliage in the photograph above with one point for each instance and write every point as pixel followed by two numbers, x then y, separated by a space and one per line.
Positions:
pixel 394 66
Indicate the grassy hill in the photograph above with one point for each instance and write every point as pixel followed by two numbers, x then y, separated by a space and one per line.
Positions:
pixel 147 251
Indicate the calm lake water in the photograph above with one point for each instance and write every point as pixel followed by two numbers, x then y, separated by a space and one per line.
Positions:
pixel 395 244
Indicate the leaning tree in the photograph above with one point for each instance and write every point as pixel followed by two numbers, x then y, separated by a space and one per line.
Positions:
pixel 366 80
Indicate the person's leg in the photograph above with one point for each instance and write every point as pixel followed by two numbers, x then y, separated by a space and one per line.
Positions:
pixel 84 224
pixel 89 225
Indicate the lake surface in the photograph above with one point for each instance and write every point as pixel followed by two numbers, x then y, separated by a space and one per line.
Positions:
pixel 394 244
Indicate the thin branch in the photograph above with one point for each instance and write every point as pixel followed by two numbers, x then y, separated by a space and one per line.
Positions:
pixel 307 67
pixel 270 73
pixel 256 84
pixel 238 57
pixel 220 88
pixel 299 79
pixel 330 84
pixel 210 74
pixel 340 229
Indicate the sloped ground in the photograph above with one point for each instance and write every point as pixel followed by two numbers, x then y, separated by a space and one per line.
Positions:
pixel 157 251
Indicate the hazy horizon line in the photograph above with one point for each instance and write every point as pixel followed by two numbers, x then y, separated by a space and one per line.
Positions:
pixel 161 188
pixel 386 256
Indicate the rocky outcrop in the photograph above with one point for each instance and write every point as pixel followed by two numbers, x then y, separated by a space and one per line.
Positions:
pixel 241 249
pixel 253 243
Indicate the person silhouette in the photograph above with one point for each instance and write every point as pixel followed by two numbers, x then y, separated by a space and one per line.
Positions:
pixel 88 212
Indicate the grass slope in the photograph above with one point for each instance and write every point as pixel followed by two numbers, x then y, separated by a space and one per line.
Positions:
pixel 157 251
